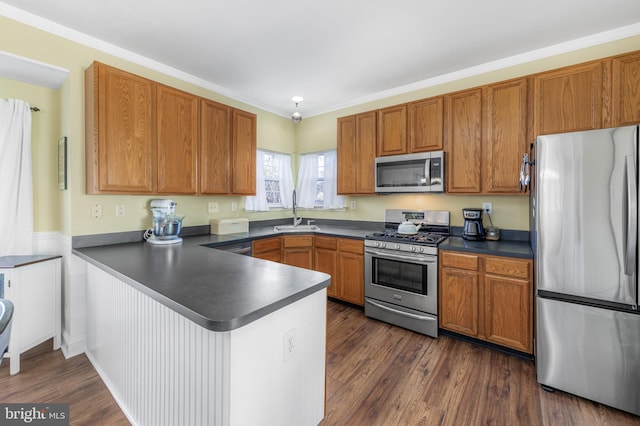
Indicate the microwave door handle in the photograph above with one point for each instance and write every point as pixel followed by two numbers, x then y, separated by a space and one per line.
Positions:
pixel 632 217
pixel 427 171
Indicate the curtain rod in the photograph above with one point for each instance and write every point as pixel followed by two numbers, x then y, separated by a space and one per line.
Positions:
pixel 35 109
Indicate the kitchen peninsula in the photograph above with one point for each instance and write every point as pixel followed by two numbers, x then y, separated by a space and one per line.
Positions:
pixel 184 334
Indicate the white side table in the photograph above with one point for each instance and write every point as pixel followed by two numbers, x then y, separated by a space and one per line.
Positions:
pixel 32 283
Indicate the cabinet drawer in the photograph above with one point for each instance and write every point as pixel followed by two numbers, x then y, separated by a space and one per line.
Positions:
pixel 459 260
pixel 298 241
pixel 325 242
pixel 509 267
pixel 268 244
pixel 351 246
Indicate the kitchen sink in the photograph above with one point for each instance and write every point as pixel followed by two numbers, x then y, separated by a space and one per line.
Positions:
pixel 297 228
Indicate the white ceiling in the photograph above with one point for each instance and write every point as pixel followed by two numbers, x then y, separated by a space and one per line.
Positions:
pixel 334 53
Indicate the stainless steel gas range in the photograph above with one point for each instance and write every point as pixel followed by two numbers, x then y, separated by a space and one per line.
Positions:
pixel 401 269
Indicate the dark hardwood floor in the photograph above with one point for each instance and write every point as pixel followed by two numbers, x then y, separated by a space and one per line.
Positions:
pixel 377 374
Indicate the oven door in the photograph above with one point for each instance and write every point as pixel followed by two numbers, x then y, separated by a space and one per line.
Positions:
pixel 405 279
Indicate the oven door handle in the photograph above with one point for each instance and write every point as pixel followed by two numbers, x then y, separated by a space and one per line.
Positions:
pixel 429 259
pixel 395 311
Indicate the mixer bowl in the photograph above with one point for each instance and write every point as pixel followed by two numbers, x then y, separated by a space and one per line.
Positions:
pixel 167 228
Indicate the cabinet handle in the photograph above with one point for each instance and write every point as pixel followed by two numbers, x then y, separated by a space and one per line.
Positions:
pixel 9 283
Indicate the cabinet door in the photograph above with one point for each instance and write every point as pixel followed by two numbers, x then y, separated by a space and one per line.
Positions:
pixel 268 249
pixel 365 152
pixel 463 143
pixel 351 271
pixel 177 124
pixel 508 312
pixel 243 167
pixel 426 123
pixel 120 132
pixel 325 259
pixel 392 130
pixel 505 140
pixel 215 148
pixel 459 301
pixel 568 99
pixel 626 90
pixel 346 154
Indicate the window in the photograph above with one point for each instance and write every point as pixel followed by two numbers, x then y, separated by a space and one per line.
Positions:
pixel 317 181
pixel 274 182
pixel 272 179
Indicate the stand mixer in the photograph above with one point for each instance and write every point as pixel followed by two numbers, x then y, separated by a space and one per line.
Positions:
pixel 166 224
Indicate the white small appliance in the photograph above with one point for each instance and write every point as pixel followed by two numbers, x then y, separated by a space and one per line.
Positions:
pixel 166 224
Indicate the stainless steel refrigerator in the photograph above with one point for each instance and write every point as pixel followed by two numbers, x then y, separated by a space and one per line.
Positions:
pixel 585 238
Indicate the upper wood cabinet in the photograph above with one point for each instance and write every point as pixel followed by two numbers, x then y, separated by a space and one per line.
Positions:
pixel 243 150
pixel 392 130
pixel 143 137
pixel 463 140
pixel 120 148
pixel 177 132
pixel 215 148
pixel 505 139
pixel 625 104
pixel 356 151
pixel 426 124
pixel 568 99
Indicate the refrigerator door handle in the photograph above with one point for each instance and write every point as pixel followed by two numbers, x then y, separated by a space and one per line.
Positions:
pixel 632 217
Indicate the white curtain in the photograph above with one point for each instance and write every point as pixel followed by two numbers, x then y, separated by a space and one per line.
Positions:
pixel 16 181
pixel 331 198
pixel 259 201
pixel 307 177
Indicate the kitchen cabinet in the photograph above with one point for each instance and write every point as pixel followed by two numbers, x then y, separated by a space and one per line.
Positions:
pixel 487 297
pixel 568 99
pixel 463 125
pixel 177 145
pixel 119 132
pixel 267 249
pixel 215 148
pixel 243 153
pixel 625 105
pixel 505 138
pixel 325 259
pixel 350 270
pixel 32 284
pixel 356 151
pixel 426 125
pixel 298 250
pixel 143 137
pixel 392 131
pixel 227 150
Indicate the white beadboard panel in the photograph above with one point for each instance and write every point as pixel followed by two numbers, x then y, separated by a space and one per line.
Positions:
pixel 161 368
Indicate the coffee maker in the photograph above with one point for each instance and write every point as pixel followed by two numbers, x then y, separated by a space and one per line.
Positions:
pixel 473 229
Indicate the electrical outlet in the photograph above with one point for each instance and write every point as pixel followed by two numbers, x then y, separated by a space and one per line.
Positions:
pixel 120 210
pixel 487 208
pixel 96 210
pixel 214 207
pixel 234 207
pixel 354 205
pixel 289 344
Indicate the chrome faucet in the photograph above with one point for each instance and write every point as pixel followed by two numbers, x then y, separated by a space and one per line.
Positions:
pixel 296 220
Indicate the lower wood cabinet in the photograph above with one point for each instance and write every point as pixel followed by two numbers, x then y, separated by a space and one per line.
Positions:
pixel 325 259
pixel 350 273
pixel 487 297
pixel 268 249
pixel 298 251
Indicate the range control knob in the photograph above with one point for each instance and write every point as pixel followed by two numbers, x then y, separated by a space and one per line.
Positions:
pixel 377 244
pixel 413 248
pixel 421 249
pixel 384 245
pixel 397 246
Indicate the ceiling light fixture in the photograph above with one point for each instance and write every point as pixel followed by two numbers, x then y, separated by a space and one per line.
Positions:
pixel 296 116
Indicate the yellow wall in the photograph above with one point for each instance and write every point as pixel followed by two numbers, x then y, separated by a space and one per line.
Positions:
pixel 70 212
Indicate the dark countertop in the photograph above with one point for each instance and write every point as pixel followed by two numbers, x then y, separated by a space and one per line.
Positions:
pixel 18 261
pixel 218 290
pixel 519 249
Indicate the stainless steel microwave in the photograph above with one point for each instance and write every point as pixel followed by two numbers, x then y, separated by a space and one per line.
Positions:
pixel 419 172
